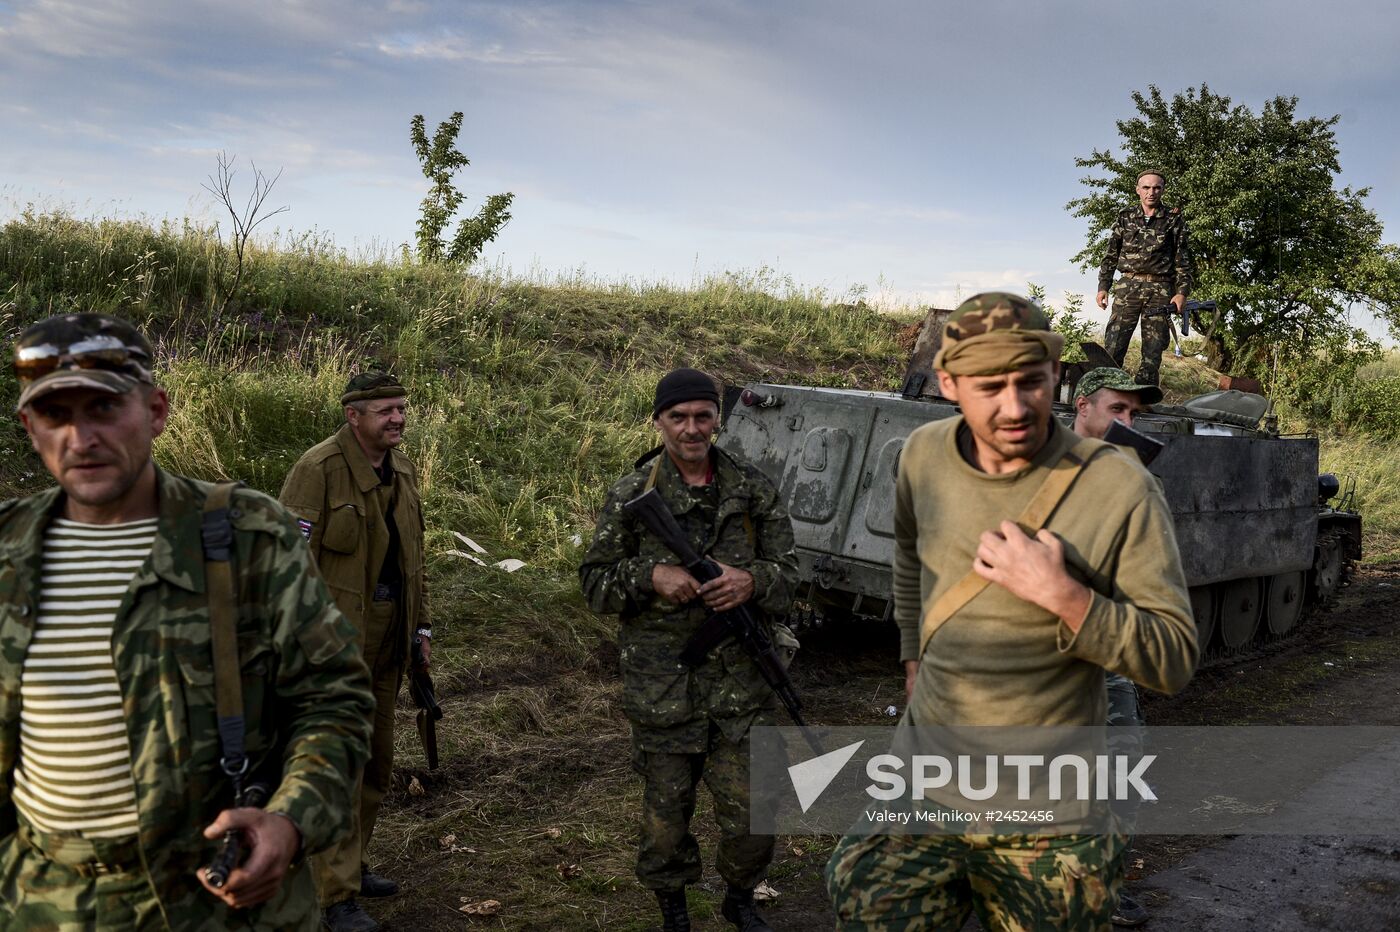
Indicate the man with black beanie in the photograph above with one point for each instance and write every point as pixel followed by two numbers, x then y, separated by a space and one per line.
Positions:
pixel 693 724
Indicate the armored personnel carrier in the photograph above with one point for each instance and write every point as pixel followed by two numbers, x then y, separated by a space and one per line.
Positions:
pixel 1263 537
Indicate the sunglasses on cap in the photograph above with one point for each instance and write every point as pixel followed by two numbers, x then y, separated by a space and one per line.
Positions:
pixel 100 351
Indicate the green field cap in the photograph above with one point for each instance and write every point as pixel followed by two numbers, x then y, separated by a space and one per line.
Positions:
pixel 1118 381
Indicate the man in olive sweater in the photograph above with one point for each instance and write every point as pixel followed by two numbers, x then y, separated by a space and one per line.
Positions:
pixel 1097 586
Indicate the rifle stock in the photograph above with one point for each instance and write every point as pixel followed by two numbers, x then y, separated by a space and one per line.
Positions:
pixel 739 623
pixel 1147 448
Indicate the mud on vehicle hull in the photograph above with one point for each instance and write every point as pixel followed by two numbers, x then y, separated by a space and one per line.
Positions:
pixel 1258 548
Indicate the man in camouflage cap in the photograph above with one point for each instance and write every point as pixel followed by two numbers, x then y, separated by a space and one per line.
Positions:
pixel 1148 247
pixel 356 501
pixel 1060 600
pixel 693 724
pixel 1105 395
pixel 114 796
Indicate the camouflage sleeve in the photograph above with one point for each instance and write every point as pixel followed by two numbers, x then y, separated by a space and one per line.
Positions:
pixel 908 582
pixel 1110 257
pixel 775 555
pixel 613 576
pixel 1183 269
pixel 325 707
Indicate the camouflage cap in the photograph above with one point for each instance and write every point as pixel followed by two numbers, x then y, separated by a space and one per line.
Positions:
pixel 369 386
pixel 1151 171
pixel 93 351
pixel 1117 380
pixel 996 332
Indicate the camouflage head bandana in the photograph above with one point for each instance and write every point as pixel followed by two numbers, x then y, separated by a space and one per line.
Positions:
pixel 996 332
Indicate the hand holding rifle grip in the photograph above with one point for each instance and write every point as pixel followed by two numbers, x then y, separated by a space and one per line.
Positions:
pixel 231 852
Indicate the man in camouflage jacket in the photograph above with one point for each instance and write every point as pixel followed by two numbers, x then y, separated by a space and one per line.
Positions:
pixel 92 412
pixel 689 724
pixel 1148 247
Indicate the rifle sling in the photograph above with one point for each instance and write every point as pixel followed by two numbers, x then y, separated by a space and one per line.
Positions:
pixel 216 534
pixel 1037 511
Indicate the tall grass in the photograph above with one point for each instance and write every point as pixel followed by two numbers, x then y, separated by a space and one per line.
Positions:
pixel 528 396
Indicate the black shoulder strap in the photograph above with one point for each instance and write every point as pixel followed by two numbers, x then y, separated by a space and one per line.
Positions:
pixel 216 532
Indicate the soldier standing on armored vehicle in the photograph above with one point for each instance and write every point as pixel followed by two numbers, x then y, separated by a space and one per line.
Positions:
pixel 1148 247
pixel 1102 397
pixel 1098 586
pixel 689 724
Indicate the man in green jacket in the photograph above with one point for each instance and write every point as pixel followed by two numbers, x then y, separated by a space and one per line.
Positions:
pixel 693 724
pixel 356 501
pixel 1097 586
pixel 1105 395
pixel 113 797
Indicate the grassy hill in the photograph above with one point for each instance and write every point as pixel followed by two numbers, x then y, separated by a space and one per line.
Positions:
pixel 527 399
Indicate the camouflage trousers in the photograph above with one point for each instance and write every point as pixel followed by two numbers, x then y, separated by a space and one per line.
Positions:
pixel 1125 735
pixel 668 856
pixel 48 885
pixel 41 895
pixel 1015 883
pixel 1131 298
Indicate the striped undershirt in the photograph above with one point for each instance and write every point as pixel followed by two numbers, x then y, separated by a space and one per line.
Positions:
pixel 74 771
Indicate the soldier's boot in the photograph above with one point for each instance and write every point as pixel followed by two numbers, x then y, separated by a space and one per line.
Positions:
pixel 674 915
pixel 376 885
pixel 739 909
pixel 348 916
pixel 1129 912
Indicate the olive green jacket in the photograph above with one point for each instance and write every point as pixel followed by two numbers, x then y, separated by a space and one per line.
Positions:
pixel 1000 660
pixel 335 493
pixel 670 706
pixel 305 691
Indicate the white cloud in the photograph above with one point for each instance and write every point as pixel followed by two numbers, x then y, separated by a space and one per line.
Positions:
pixel 451 47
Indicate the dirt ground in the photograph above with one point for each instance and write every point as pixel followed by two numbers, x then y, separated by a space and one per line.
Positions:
pixel 1344 669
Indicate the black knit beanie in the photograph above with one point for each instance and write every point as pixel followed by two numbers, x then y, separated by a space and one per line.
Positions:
pixel 681 385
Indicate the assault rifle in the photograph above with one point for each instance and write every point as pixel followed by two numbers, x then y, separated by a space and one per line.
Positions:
pixel 1187 309
pixel 738 623
pixel 420 687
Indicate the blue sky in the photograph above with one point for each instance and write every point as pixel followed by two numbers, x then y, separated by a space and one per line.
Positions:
pixel 918 150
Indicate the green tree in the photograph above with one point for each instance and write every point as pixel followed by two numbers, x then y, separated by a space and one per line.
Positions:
pixel 1069 321
pixel 440 160
pixel 1282 248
